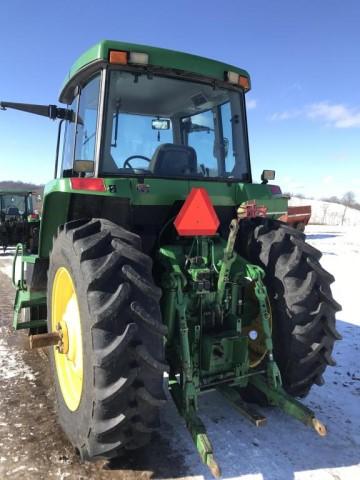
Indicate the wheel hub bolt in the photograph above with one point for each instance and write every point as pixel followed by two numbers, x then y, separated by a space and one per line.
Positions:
pixel 63 344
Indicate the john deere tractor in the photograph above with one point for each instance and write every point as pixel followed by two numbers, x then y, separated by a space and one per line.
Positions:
pixel 159 254
pixel 18 221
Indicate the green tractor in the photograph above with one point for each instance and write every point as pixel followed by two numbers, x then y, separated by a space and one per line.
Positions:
pixel 18 221
pixel 158 254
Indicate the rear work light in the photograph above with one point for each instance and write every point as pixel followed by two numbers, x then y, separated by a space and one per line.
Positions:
pixel 138 58
pixel 237 79
pixel 92 184
pixel 119 57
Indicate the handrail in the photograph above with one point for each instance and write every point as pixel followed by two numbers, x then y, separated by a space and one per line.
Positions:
pixel 19 250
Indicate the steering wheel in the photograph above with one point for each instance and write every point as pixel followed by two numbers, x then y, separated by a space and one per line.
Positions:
pixel 127 163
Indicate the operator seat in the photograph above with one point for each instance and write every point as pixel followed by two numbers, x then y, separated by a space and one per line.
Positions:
pixel 173 160
pixel 13 212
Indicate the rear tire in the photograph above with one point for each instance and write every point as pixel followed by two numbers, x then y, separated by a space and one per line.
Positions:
pixel 302 305
pixel 122 338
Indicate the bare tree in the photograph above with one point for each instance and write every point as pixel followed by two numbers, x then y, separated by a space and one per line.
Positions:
pixel 325 208
pixel 332 199
pixel 348 199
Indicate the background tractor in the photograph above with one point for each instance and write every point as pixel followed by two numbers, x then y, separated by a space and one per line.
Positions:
pixel 158 253
pixel 18 221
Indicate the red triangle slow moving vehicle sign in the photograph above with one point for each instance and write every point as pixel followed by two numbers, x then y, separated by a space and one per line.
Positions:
pixel 197 215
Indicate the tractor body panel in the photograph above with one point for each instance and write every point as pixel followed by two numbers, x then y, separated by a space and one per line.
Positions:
pixel 137 206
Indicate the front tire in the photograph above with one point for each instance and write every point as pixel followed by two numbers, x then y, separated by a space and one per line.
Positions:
pixel 120 338
pixel 303 308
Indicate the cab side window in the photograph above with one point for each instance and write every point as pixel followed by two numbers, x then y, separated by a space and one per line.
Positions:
pixel 69 143
pixel 87 121
pixel 80 134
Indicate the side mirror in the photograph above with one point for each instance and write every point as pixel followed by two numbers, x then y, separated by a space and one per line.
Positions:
pixel 160 124
pixel 267 175
pixel 84 166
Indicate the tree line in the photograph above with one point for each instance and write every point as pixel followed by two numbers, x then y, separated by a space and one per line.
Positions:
pixel 348 200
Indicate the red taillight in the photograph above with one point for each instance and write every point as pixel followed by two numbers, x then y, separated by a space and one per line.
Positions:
pixel 93 184
pixel 197 216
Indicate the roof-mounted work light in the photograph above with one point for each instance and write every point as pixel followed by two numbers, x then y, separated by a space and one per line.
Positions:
pixel 237 79
pixel 121 57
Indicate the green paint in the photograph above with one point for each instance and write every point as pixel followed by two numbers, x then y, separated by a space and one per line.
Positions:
pixel 166 191
pixel 278 397
pixel 202 281
pixel 158 57
pixel 26 299
pixel 57 196
pixel 56 202
pixel 227 262
pixel 196 429
pixel 205 343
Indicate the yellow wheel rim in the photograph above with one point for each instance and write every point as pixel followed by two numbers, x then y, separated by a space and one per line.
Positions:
pixel 65 317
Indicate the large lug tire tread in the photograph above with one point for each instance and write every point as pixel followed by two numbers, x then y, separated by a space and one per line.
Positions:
pixel 123 342
pixel 303 308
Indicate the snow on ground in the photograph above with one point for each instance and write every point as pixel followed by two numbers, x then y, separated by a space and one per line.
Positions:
pixel 284 449
pixel 6 261
pixel 12 365
pixel 326 213
pixel 341 256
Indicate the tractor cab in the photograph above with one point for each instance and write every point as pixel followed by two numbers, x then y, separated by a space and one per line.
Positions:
pixel 137 119
pixel 15 205
pixel 16 214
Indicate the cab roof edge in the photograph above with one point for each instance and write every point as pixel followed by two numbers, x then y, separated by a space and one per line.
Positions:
pixel 159 57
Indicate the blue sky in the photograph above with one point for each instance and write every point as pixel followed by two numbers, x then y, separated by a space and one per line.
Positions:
pixel 303 57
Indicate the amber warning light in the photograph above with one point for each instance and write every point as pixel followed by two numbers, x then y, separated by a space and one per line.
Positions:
pixel 237 79
pixel 123 58
pixel 197 216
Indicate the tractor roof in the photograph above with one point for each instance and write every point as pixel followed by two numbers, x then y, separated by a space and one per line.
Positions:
pixel 160 57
